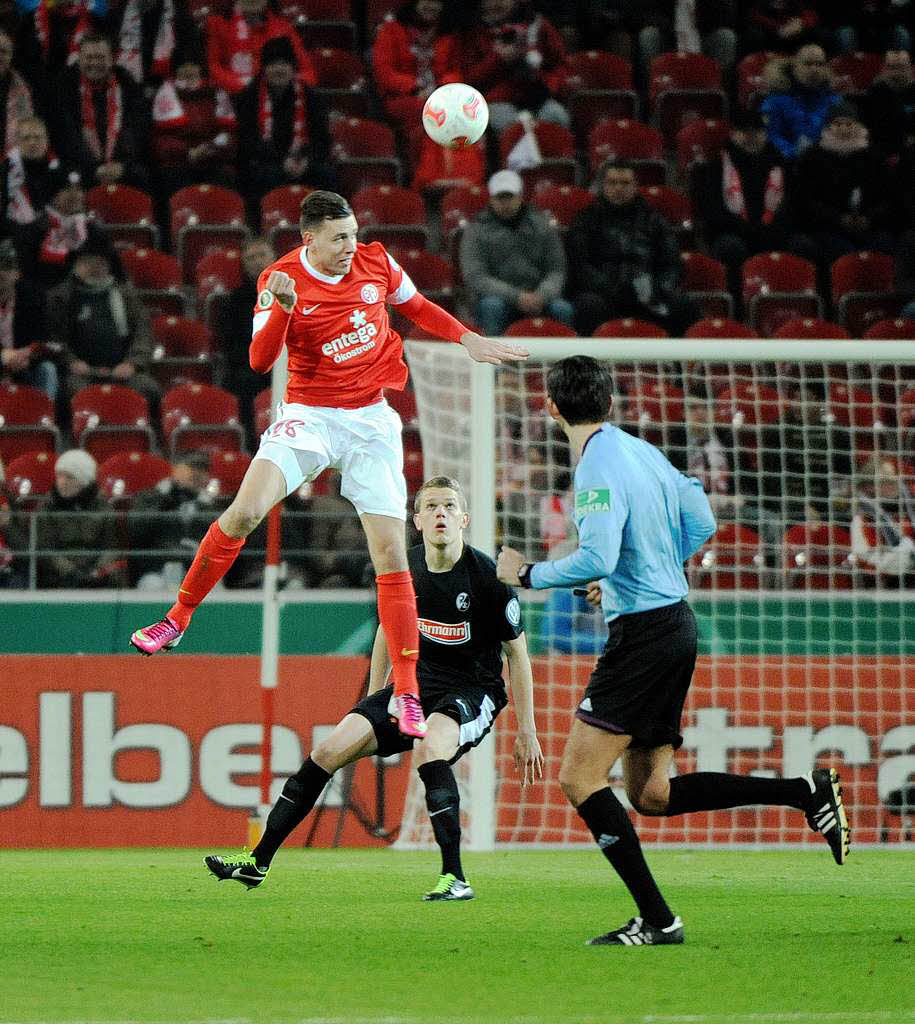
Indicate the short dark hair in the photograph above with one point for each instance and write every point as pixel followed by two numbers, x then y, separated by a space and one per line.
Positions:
pixel 614 163
pixel 582 389
pixel 90 38
pixel 441 481
pixel 319 206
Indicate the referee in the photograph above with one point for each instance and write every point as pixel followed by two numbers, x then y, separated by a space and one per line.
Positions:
pixel 638 521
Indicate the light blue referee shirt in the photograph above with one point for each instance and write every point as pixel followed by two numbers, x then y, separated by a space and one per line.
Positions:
pixel 639 519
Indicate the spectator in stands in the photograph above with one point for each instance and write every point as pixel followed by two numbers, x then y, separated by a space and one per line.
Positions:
pixel 102 120
pixel 194 131
pixel 740 197
pixel 148 37
pixel 883 523
pixel 234 45
pixel 843 196
pixel 48 37
pixel 31 174
pixel 170 519
pixel 234 332
pixel 517 59
pixel 75 529
pixel 624 259
pixel 799 100
pixel 512 260
pixel 779 26
pixel 25 357
pixel 888 109
pixel 15 95
pixel 338 553
pixel 870 25
pixel 283 126
pixel 11 540
pixel 414 53
pixel 709 460
pixel 96 316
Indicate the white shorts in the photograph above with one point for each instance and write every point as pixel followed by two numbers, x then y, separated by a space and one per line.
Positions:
pixel 364 444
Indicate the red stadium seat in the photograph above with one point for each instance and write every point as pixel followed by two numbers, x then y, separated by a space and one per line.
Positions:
pixel 898 329
pixel 322 23
pixel 227 470
pixel 673 205
pixel 110 418
pixel 263 410
pixel 341 82
pixel 700 141
pixel 653 407
pixel 539 327
pixel 854 72
pixel 432 274
pixel 459 206
pixel 157 279
pixel 684 86
pixel 733 559
pixel 719 327
pixel 598 88
pixel 862 290
pixel 280 209
pixel 705 281
pixel 747 404
pixel 218 272
pixel 817 556
pixel 396 216
pixel 413 466
pixel 29 477
pixel 812 329
pixel 563 202
pixel 122 476
pixel 750 85
pixel 777 287
pixel 127 214
pixel 404 404
pixel 182 351
pixel 365 153
pixel 629 327
pixel 26 422
pixel 638 143
pixel 197 416
pixel 202 216
pixel 558 165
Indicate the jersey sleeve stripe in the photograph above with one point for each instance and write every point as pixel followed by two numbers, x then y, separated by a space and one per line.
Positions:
pixel 259 320
pixel 406 289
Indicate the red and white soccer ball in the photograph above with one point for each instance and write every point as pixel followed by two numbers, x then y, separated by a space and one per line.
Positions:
pixel 455 116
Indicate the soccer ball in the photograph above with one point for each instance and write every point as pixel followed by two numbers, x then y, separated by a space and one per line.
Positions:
pixel 455 116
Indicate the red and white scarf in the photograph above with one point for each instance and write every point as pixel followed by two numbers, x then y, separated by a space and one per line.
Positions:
pixel 64 235
pixel 732 188
pixel 241 61
pixel 43 30
pixel 114 113
pixel 265 115
pixel 130 56
pixel 18 106
pixel 19 208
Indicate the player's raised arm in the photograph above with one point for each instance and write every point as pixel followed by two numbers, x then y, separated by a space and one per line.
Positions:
pixel 527 753
pixel 276 298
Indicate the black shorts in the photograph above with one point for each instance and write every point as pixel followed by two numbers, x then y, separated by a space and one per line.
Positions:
pixel 639 683
pixel 474 708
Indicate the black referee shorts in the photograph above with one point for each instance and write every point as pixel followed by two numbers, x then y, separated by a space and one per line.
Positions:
pixel 474 708
pixel 639 683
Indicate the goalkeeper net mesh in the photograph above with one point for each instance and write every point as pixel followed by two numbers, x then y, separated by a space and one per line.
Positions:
pixel 804 595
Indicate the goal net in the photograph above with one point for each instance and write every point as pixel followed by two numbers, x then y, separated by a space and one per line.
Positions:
pixel 804 597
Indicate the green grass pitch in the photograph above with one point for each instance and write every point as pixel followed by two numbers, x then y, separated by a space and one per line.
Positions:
pixel 341 936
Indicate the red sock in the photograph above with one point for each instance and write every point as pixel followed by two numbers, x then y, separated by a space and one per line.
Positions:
pixel 213 560
pixel 397 615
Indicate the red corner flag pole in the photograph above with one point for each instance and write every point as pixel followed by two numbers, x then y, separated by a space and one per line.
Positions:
pixel 270 635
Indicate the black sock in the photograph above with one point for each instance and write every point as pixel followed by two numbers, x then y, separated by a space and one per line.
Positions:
pixel 713 791
pixel 444 804
pixel 614 834
pixel 297 799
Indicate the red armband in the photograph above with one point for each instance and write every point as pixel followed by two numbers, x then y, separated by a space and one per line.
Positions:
pixel 432 318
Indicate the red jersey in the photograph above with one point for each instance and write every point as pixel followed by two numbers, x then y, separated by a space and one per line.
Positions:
pixel 342 349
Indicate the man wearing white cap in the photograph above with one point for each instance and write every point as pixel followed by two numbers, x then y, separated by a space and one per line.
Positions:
pixel 512 260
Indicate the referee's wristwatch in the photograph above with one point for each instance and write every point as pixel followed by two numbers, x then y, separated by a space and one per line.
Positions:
pixel 524 574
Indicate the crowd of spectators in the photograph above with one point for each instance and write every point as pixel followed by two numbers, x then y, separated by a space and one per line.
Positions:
pixel 813 160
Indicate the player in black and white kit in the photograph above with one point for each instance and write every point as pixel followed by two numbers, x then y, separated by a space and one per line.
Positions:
pixel 468 620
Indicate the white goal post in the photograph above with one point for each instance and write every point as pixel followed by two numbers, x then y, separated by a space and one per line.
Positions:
pixel 805 602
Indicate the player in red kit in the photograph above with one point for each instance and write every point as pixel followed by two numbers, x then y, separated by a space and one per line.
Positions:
pixel 326 303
